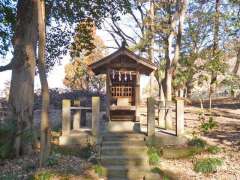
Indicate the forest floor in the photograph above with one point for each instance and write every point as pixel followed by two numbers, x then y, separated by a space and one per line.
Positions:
pixel 65 163
pixel 226 136
pixel 72 163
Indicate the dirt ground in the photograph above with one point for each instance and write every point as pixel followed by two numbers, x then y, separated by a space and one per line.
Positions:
pixel 226 135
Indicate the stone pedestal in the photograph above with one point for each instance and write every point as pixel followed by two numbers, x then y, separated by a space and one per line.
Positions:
pixel 83 122
pixel 179 117
pixel 168 115
pixel 150 116
pixel 66 117
pixel 77 116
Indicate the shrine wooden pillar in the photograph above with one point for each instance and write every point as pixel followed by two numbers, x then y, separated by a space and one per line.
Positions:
pixel 108 93
pixel 137 96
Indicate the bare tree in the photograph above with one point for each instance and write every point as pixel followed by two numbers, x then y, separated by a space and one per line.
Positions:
pixel 215 50
pixel 176 20
pixel 45 128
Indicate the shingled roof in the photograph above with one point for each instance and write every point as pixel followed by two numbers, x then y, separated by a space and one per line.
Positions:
pixel 100 66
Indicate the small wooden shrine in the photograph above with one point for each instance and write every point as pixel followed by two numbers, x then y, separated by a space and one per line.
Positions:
pixel 123 69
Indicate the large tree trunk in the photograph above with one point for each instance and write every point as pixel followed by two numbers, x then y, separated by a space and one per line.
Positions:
pixel 45 128
pixel 172 63
pixel 167 82
pixel 21 95
pixel 215 50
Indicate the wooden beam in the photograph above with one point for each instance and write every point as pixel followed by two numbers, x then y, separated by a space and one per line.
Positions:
pixel 108 93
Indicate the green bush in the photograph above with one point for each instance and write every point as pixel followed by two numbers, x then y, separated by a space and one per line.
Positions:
pixel 100 170
pixel 82 152
pixel 214 149
pixel 7 132
pixel 9 176
pixel 208 165
pixel 44 175
pixel 153 155
pixel 151 142
pixel 180 152
pixel 53 159
pixel 197 142
pixel 209 125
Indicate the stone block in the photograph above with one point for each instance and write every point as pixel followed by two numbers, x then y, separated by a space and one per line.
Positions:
pixel 150 116
pixel 168 115
pixel 95 115
pixel 66 117
pixel 180 117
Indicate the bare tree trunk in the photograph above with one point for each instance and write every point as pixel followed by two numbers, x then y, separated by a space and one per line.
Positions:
pixel 21 95
pixel 171 64
pixel 168 82
pixel 151 45
pixel 189 89
pixel 45 128
pixel 215 49
pixel 161 93
pixel 201 103
pixel 237 64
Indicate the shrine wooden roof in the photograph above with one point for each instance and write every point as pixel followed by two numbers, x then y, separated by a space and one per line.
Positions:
pixel 123 59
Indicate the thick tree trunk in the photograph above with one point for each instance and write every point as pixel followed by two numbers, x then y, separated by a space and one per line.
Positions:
pixel 21 95
pixel 45 128
pixel 172 63
pixel 167 82
pixel 215 50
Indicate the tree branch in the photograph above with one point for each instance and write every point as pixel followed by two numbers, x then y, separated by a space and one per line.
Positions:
pixel 6 67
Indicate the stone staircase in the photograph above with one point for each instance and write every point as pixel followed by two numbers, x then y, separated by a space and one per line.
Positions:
pixel 124 155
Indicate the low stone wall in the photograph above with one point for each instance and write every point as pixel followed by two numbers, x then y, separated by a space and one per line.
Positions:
pixel 55 118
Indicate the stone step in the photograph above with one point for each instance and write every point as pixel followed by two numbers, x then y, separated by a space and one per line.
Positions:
pixel 123 126
pixel 122 117
pixel 118 119
pixel 124 143
pixel 126 172
pixel 123 136
pixel 123 150
pixel 153 176
pixel 75 139
pixel 129 161
pixel 112 178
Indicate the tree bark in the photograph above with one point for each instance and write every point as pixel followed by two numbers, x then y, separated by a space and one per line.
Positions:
pixel 215 49
pixel 189 86
pixel 45 128
pixel 237 64
pixel 21 95
pixel 172 63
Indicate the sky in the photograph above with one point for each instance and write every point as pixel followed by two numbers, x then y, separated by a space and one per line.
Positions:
pixel 56 76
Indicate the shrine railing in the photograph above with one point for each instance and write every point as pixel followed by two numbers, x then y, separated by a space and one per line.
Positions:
pixel 164 117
